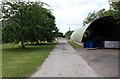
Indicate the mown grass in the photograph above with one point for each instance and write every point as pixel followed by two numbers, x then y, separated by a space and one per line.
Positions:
pixel 74 45
pixel 18 62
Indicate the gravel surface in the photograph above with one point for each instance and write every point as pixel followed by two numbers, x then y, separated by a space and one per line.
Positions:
pixel 103 61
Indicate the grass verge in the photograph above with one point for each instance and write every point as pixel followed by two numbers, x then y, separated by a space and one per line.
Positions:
pixel 74 45
pixel 17 62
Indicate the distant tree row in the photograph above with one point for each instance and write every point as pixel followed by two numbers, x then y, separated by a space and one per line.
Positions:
pixel 27 21
pixel 59 34
pixel 68 34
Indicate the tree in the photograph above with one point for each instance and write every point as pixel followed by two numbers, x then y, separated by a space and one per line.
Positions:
pixel 68 34
pixel 116 9
pixel 59 34
pixel 95 15
pixel 27 21
pixel 91 17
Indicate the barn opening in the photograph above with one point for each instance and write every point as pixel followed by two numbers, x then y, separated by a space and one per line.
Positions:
pixel 101 30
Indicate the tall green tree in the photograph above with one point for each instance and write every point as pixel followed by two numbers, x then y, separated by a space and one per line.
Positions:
pixel 27 21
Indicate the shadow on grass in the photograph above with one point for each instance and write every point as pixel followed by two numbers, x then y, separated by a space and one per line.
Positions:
pixel 38 44
pixel 29 48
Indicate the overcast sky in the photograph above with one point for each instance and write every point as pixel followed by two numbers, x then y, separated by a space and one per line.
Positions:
pixel 71 13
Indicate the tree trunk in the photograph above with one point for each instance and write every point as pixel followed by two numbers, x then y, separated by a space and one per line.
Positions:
pixel 22 43
pixel 37 42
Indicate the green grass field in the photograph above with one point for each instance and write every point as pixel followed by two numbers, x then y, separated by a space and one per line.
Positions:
pixel 18 62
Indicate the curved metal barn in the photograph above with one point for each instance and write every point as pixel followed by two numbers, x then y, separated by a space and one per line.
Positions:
pixel 77 35
pixel 97 32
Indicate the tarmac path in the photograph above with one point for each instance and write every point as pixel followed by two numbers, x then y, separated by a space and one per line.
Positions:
pixel 64 62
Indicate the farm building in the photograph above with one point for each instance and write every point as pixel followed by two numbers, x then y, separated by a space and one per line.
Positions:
pixel 101 33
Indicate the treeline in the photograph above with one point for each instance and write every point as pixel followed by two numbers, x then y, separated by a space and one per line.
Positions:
pixel 27 21
pixel 68 34
pixel 113 11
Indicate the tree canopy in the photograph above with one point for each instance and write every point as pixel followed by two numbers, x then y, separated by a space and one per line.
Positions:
pixel 27 21
pixel 116 9
pixel 95 15
pixel 113 11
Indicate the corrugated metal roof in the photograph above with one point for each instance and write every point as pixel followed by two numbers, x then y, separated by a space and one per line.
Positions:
pixel 102 27
pixel 77 35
